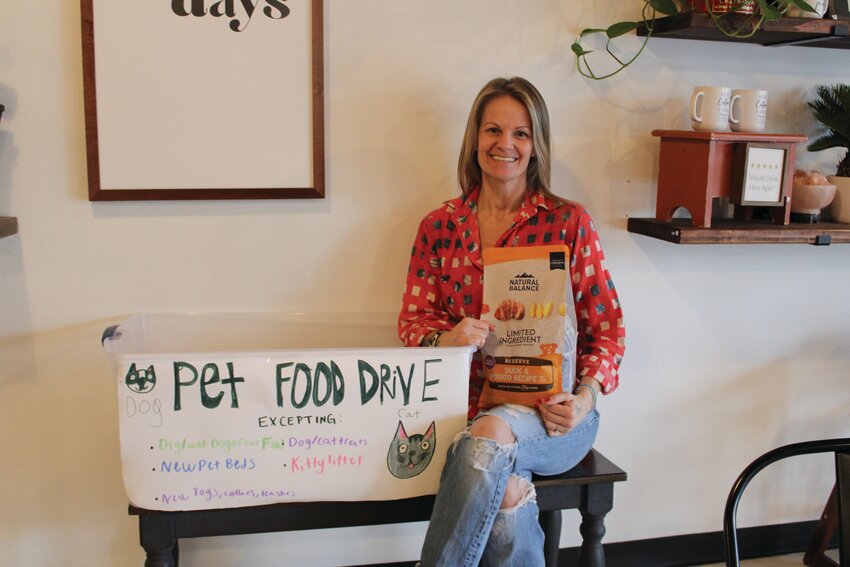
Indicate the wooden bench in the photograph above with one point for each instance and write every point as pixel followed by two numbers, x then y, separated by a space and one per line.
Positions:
pixel 588 487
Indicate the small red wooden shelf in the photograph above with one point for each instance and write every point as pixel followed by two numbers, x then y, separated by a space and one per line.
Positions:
pixel 695 167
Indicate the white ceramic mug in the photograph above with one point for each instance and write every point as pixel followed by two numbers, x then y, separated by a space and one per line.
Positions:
pixel 748 110
pixel 710 108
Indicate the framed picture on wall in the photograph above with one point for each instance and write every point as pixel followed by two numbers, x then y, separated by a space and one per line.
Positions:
pixel 204 99
pixel 839 9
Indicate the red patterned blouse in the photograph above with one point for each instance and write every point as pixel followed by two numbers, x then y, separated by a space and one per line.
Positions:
pixel 445 280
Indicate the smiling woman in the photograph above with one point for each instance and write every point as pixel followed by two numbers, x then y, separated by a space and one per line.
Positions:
pixel 505 149
pixel 534 117
pixel 504 175
pixel 504 145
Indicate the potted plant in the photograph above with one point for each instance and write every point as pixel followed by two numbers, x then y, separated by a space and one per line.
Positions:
pixel 832 109
pixel 750 16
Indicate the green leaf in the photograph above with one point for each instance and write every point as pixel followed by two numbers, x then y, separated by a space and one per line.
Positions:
pixel 832 110
pixel 666 7
pixel 830 140
pixel 589 31
pixel 769 11
pixel 579 50
pixel 620 28
pixel 801 4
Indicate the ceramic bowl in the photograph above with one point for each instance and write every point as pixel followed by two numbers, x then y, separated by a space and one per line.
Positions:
pixel 810 199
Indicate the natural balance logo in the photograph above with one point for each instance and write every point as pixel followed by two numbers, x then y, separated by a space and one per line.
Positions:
pixel 524 282
pixel 239 11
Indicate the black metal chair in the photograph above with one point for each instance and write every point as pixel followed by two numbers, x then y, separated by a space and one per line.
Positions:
pixel 841 449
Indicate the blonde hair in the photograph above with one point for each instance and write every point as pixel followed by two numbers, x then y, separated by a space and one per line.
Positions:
pixel 539 173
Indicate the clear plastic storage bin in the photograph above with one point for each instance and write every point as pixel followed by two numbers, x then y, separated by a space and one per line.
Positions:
pixel 219 411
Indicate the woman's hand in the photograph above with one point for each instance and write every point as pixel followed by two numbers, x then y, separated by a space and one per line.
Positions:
pixel 468 332
pixel 564 411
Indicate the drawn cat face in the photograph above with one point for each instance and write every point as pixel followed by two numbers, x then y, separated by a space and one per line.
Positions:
pixel 140 380
pixel 409 455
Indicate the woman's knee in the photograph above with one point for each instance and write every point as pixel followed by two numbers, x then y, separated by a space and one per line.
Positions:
pixel 518 491
pixel 494 428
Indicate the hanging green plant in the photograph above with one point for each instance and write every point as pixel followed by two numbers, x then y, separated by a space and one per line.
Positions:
pixel 650 11
pixel 731 22
pixel 747 26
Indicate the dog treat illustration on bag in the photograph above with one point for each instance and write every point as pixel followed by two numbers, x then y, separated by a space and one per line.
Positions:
pixel 509 309
pixel 531 354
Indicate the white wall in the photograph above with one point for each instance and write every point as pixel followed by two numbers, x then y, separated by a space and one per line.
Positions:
pixel 732 350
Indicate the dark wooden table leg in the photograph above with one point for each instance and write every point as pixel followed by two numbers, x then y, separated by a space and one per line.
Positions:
pixel 597 503
pixel 156 534
pixel 550 521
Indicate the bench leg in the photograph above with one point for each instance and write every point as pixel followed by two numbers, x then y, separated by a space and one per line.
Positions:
pixel 156 534
pixel 550 521
pixel 598 502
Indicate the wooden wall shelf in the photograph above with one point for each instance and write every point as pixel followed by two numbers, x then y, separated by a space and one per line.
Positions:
pixel 724 231
pixel 8 226
pixel 784 31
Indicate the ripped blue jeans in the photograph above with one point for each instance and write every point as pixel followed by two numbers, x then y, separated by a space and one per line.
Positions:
pixel 467 525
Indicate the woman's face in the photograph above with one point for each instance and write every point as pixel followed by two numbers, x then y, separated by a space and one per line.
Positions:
pixel 504 141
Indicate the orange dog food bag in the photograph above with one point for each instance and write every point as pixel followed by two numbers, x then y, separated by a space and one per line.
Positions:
pixel 532 352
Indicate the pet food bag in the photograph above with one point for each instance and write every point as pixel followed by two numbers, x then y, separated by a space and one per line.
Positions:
pixel 528 297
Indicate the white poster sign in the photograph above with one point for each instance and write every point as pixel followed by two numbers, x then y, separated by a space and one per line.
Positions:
pixel 227 430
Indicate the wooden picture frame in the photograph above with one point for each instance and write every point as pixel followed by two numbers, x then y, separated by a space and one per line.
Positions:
pixel 839 9
pixel 191 99
pixel 762 181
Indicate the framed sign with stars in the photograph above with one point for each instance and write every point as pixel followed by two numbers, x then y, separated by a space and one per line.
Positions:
pixel 839 9
pixel 763 183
